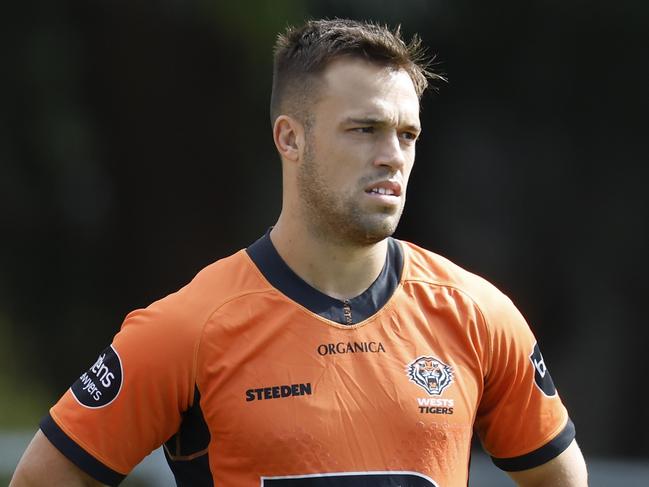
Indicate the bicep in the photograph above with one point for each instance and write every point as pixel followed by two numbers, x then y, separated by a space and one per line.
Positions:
pixel 42 464
pixel 566 470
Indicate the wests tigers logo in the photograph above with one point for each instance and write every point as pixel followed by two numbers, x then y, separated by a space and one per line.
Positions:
pixel 431 374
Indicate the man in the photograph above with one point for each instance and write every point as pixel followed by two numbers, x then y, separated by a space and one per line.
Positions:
pixel 326 353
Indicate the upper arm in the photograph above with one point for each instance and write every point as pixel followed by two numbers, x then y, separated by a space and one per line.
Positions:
pixel 131 400
pixel 43 465
pixel 521 419
pixel 566 470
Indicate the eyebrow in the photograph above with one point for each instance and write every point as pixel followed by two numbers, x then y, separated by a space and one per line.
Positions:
pixel 377 121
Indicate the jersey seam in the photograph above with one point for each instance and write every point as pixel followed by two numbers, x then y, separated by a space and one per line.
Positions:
pixel 185 458
pixel 216 308
pixel 207 320
pixel 477 307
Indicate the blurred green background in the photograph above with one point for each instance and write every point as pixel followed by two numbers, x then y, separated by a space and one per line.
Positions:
pixel 135 148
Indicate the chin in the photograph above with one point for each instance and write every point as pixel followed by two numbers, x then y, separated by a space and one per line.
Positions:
pixel 378 231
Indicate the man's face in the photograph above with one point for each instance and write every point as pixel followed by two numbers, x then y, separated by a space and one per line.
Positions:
pixel 360 148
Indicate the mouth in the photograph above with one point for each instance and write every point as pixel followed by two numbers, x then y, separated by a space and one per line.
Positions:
pixel 385 189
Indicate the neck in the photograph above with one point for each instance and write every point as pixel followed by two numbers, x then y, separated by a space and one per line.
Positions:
pixel 337 270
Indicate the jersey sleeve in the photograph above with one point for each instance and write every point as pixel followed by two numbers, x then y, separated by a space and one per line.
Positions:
pixel 131 400
pixel 521 420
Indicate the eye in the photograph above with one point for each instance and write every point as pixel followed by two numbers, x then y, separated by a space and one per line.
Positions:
pixel 409 136
pixel 364 130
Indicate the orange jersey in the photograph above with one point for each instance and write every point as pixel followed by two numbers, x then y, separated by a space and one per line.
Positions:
pixel 250 377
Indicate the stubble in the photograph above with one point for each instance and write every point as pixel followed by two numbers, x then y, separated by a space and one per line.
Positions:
pixel 339 218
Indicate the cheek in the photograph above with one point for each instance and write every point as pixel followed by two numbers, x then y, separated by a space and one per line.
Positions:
pixel 407 169
pixel 341 167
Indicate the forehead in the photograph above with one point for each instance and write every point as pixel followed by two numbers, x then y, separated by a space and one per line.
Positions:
pixel 355 87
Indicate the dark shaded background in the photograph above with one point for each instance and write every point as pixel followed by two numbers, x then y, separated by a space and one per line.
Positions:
pixel 135 148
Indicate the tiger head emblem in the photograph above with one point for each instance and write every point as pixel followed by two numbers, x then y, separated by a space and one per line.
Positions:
pixel 431 374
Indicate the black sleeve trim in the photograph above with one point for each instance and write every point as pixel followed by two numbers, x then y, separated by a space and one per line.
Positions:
pixel 78 455
pixel 538 457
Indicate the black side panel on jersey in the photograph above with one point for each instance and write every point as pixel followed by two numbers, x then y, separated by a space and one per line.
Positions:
pixel 543 455
pixel 78 455
pixel 186 451
pixel 282 277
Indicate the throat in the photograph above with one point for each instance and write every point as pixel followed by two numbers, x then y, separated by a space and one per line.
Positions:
pixel 339 272
pixel 343 280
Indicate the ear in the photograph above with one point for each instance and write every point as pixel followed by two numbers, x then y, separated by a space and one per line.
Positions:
pixel 288 135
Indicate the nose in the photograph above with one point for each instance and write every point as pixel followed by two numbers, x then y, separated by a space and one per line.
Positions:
pixel 390 154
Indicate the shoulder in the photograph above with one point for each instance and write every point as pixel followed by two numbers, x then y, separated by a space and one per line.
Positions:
pixel 224 280
pixel 427 268
pixel 186 310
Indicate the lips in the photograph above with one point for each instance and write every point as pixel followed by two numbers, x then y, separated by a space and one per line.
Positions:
pixel 387 188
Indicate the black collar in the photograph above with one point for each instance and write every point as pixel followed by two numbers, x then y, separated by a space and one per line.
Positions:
pixel 348 312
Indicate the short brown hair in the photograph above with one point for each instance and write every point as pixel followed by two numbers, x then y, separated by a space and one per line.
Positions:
pixel 303 53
